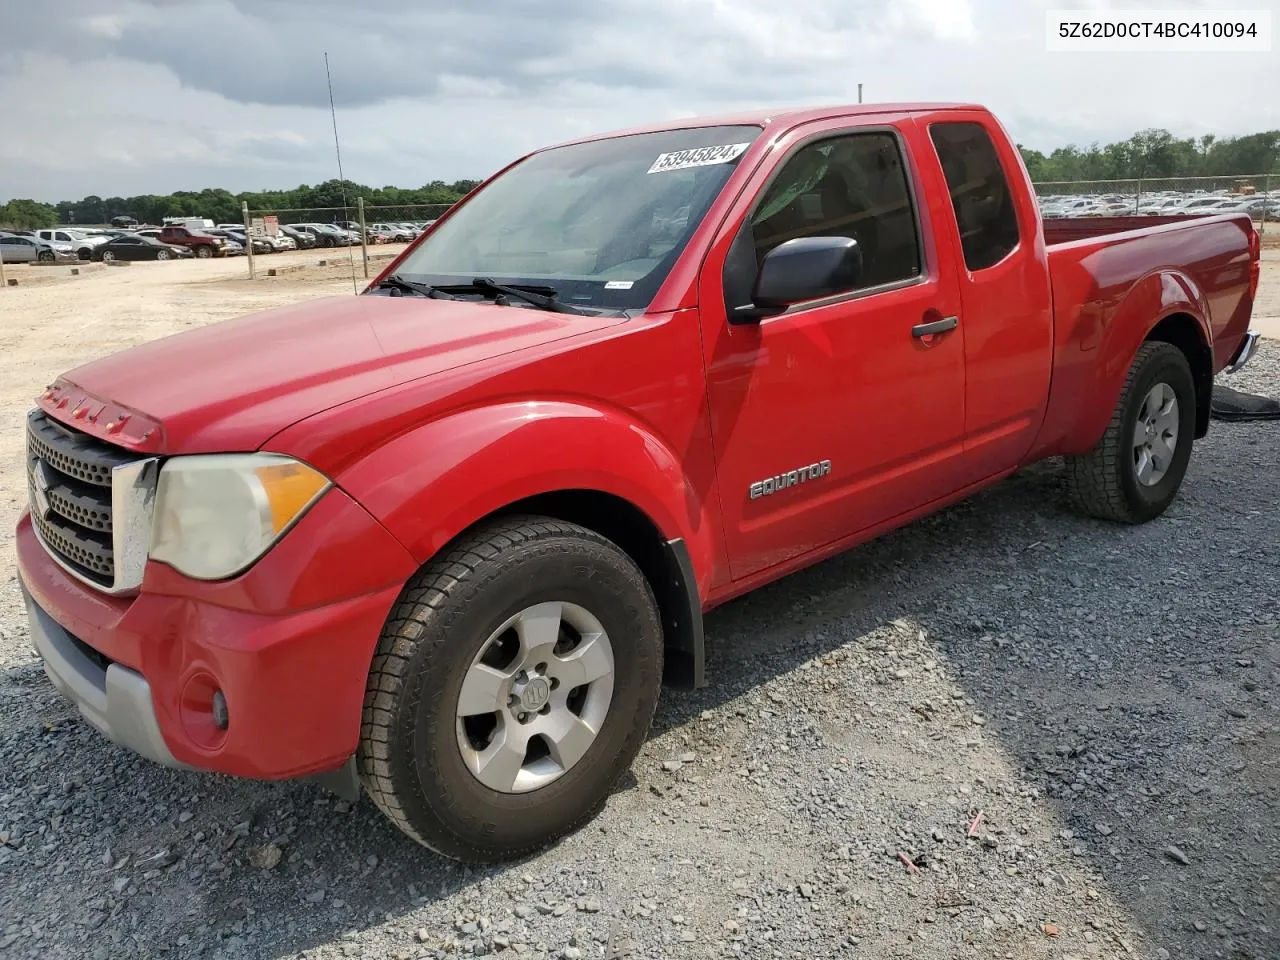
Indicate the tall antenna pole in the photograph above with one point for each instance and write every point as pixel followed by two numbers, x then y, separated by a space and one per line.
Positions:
pixel 859 93
pixel 342 180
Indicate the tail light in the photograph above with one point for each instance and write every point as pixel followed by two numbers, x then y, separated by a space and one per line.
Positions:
pixel 1255 260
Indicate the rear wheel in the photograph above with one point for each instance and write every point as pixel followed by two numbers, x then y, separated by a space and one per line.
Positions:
pixel 84 253
pixel 513 685
pixel 204 253
pixel 1134 472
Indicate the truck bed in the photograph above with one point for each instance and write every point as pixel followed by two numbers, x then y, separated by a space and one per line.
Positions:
pixel 1069 229
pixel 1104 271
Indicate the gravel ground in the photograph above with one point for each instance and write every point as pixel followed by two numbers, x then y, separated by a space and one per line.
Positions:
pixel 1002 732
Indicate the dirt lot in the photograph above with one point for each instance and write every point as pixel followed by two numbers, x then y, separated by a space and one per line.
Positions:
pixel 1105 696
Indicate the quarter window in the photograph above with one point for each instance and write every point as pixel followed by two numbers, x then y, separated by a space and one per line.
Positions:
pixel 980 194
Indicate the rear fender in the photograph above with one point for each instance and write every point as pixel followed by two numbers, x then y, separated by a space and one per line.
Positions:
pixel 432 483
pixel 1096 360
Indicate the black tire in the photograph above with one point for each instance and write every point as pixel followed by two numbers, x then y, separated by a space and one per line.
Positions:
pixel 203 252
pixel 84 253
pixel 409 757
pixel 45 256
pixel 107 256
pixel 163 255
pixel 1104 482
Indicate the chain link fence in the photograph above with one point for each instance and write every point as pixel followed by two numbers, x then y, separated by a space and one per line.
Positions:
pixel 371 227
pixel 358 229
pixel 1259 196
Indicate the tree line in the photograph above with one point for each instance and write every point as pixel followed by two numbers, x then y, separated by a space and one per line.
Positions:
pixel 223 206
pixel 1151 154
pixel 1147 154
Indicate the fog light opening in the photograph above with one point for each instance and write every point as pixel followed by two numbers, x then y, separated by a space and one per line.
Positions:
pixel 220 716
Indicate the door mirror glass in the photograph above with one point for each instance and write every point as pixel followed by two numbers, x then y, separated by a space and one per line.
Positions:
pixel 807 268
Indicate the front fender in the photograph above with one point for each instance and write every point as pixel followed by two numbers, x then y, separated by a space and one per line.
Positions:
pixel 432 483
pixel 1096 345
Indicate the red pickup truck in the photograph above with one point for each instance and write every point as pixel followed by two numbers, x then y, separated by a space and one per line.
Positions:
pixel 444 539
pixel 202 244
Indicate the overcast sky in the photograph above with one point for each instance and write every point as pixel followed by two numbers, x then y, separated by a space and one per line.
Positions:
pixel 149 96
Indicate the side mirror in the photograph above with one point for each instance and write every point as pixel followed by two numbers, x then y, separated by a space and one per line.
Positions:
pixel 806 268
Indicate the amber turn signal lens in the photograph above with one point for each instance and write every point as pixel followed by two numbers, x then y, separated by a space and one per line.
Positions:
pixel 289 488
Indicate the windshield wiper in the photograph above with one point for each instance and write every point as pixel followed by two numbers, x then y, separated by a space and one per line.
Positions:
pixel 397 282
pixel 542 297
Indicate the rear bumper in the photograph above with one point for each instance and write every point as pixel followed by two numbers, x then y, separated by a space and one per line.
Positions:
pixel 1248 347
pixel 288 644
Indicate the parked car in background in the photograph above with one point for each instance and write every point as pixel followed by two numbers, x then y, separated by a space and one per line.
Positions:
pixel 303 240
pixel 134 247
pixel 260 244
pixel 19 249
pixel 326 234
pixel 83 243
pixel 1256 206
pixel 191 223
pixel 396 232
pixel 202 243
pixel 281 241
pixel 1201 204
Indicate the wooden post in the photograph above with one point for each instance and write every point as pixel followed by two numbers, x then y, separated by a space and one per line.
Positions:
pixel 248 237
pixel 364 237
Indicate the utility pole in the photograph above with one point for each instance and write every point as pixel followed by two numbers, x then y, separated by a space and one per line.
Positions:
pixel 859 93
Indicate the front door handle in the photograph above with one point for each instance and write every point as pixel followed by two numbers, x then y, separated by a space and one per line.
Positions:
pixel 935 326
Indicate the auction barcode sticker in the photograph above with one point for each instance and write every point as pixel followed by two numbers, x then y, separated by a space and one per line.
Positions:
pixel 1166 31
pixel 698 157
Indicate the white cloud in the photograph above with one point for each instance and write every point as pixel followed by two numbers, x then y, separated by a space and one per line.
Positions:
pixel 153 96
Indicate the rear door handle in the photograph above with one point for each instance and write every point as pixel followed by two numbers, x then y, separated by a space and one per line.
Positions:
pixel 935 326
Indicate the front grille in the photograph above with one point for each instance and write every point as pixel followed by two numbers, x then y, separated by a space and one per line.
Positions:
pixel 69 484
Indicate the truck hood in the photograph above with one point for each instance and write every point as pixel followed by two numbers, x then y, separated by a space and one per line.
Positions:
pixel 231 386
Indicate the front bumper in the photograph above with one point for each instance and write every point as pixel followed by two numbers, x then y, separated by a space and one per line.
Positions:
pixel 1248 347
pixel 288 644
pixel 114 699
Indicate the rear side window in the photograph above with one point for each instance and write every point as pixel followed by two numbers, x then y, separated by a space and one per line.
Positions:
pixel 980 193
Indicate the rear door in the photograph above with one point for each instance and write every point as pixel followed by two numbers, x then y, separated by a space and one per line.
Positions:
pixel 833 416
pixel 132 248
pixel 17 250
pixel 993 227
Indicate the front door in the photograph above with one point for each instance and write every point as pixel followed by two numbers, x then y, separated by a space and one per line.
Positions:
pixel 837 414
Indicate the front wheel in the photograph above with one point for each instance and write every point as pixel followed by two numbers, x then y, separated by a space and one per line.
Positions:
pixel 1134 472
pixel 162 254
pixel 108 256
pixel 45 256
pixel 204 253
pixel 513 685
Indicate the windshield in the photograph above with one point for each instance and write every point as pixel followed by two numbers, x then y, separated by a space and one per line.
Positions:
pixel 601 223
